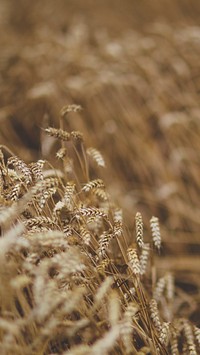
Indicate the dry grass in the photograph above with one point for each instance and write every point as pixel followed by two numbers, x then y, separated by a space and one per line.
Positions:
pixel 79 275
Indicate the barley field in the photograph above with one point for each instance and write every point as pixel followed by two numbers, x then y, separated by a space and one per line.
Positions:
pixel 99 177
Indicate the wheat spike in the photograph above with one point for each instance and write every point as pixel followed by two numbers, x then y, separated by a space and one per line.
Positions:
pixel 67 230
pixel 169 286
pixel 103 265
pixel 107 342
pixel 21 166
pixel 69 108
pixel 117 229
pixel 94 184
pixel 90 212
pixel 61 153
pixel 114 308
pixel 49 238
pixel 58 133
pixel 85 235
pixel 127 327
pixel 15 192
pixel 39 222
pixel 197 334
pixel 8 214
pixel 155 314
pixel 164 333
pixel 133 260
pixel 103 290
pixel 36 169
pixel 174 343
pixel 118 215
pixel 44 196
pixel 159 289
pixel 76 136
pixel 101 194
pixel 13 175
pixel 69 195
pixel 47 183
pixel 144 258
pixel 58 207
pixel 96 156
pixel 155 229
pixel 187 328
pixel 104 241
pixel 139 229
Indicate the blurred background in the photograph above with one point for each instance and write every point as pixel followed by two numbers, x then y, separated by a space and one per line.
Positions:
pixel 134 67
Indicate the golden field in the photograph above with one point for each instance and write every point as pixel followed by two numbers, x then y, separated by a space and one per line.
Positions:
pixel 99 134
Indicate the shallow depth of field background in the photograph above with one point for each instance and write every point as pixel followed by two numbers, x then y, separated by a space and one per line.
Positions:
pixel 134 67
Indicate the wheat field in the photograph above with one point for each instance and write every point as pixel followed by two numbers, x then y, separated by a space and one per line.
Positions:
pixel 99 177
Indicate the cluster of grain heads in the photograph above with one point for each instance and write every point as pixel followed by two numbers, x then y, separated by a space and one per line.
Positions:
pixel 71 284
pixel 140 255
